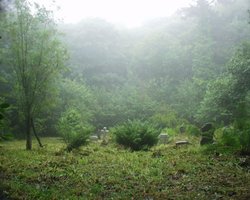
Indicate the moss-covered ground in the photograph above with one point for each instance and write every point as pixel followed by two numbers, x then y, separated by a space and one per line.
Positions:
pixel 111 172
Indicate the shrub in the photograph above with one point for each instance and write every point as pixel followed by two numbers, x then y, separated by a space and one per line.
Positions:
pixel 163 120
pixel 245 140
pixel 193 130
pixel 172 132
pixel 4 122
pixel 136 135
pixel 6 136
pixel 73 130
pixel 233 137
pixel 218 134
pixel 227 136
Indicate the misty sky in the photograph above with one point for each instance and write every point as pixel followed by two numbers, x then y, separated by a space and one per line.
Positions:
pixel 130 13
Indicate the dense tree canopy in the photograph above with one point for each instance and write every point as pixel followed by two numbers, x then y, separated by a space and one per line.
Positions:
pixel 194 64
pixel 161 111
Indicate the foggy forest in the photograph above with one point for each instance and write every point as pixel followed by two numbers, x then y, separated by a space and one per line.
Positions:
pixel 97 110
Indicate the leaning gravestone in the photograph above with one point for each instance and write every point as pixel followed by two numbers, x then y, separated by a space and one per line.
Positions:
pixel 182 129
pixel 206 127
pixel 207 134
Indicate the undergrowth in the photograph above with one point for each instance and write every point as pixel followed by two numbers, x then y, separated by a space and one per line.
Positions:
pixel 111 172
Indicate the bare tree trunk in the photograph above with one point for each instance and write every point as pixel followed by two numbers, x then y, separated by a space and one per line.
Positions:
pixel 34 131
pixel 28 133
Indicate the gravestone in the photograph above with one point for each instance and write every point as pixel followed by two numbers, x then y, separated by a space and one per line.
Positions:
pixel 182 129
pixel 163 138
pixel 103 133
pixel 181 142
pixel 93 138
pixel 207 134
pixel 206 127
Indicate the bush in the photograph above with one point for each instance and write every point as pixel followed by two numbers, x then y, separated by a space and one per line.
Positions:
pixel 6 136
pixel 245 140
pixel 73 130
pixel 163 120
pixel 136 135
pixel 193 130
pixel 227 136
pixel 233 137
pixel 172 132
pixel 4 122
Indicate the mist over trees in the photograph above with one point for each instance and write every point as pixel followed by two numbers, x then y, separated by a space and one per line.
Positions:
pixel 171 62
pixel 160 111
pixel 193 66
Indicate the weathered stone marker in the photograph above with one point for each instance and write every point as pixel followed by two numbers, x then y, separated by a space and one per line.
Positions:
pixel 207 134
pixel 206 127
pixel 103 133
pixel 93 138
pixel 181 142
pixel 163 138
pixel 182 129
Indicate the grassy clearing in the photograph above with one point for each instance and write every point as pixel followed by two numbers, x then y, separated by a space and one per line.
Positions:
pixel 110 172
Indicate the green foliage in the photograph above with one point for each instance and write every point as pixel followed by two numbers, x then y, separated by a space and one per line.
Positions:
pixel 77 95
pixel 245 140
pixel 227 136
pixel 239 67
pixel 98 58
pixel 166 118
pixel 233 137
pixel 217 103
pixel 187 98
pixel 98 172
pixel 3 107
pixel 193 130
pixel 73 130
pixel 136 134
pixel 171 131
pixel 117 106
pixel 227 94
pixel 6 136
pixel 125 74
pixel 133 73
pixel 35 56
pixel 4 121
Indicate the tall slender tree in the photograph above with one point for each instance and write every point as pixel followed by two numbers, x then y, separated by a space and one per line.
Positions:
pixel 36 57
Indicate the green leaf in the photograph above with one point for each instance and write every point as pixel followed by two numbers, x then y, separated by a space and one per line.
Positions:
pixel 4 105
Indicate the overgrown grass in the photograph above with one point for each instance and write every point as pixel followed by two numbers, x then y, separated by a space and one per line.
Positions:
pixel 111 172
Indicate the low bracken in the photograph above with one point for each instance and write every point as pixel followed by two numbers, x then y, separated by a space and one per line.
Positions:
pixel 111 172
